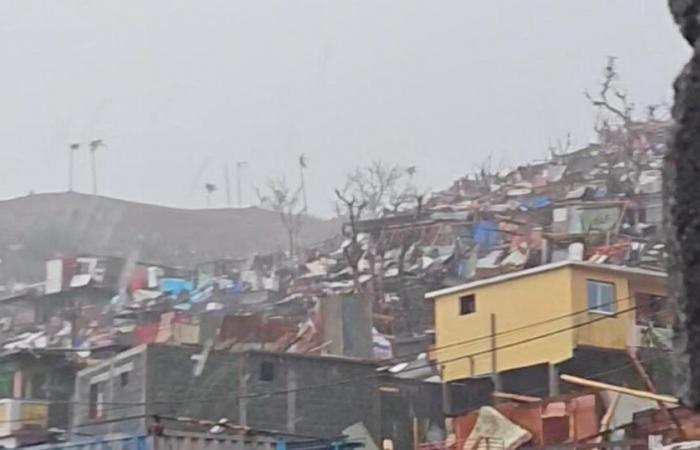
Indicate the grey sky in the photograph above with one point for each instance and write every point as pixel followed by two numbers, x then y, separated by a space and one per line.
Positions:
pixel 177 88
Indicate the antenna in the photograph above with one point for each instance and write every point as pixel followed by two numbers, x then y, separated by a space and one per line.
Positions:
pixel 228 185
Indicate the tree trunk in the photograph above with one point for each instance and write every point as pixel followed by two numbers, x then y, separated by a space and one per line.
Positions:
pixel 290 235
pixel 682 212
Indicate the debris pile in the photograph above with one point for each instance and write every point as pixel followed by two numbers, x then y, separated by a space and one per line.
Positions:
pixel 363 296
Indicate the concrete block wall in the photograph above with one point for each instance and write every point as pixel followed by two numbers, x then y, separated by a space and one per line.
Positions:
pixel 173 390
pixel 124 395
pixel 328 406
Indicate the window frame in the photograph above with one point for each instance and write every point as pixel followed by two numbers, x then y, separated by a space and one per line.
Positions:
pixel 267 372
pixel 124 379
pixel 96 402
pixel 471 298
pixel 597 307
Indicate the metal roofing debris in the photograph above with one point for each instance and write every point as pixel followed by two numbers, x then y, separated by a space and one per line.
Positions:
pixel 490 423
pixel 482 230
pixel 576 193
pixel 518 191
pixel 490 260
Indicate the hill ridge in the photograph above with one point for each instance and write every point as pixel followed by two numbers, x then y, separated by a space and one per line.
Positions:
pixel 37 227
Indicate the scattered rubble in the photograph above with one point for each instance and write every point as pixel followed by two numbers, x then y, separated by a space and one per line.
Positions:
pixel 362 297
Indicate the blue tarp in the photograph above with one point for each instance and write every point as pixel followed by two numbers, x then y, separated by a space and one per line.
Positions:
pixel 540 201
pixel 486 234
pixel 174 286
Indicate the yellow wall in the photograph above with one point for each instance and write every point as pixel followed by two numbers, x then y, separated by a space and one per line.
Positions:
pixel 526 301
pixel 614 331
pixel 517 302
pixel 17 414
pixel 34 413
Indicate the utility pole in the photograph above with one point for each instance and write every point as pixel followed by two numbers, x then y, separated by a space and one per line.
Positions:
pixel 239 169
pixel 302 167
pixel 94 146
pixel 495 376
pixel 228 185
pixel 71 151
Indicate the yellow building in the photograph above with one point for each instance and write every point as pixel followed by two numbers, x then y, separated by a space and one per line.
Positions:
pixel 18 417
pixel 541 315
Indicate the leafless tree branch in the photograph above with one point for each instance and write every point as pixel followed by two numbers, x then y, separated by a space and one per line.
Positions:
pixel 286 202
pixel 382 187
pixel 624 110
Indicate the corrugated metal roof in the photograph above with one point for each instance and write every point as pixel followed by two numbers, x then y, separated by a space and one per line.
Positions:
pixel 541 269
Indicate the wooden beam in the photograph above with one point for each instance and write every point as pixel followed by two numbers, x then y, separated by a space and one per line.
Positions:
pixel 516 397
pixel 619 389
pixel 605 423
pixel 652 387
pixel 607 418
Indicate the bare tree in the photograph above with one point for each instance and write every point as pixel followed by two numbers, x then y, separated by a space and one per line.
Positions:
pixel 352 208
pixel 380 187
pixel 618 105
pixel 287 203
pixel 612 103
pixel 486 174
pixel 560 147
pixel 373 191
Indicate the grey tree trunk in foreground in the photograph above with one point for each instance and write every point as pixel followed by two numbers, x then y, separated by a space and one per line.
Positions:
pixel 682 210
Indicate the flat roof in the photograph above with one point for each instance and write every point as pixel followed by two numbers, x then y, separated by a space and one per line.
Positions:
pixel 540 269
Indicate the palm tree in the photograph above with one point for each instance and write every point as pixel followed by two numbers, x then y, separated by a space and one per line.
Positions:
pixel 210 188
pixel 71 150
pixel 94 145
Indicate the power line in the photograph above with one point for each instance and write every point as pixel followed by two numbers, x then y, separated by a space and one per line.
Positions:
pixel 595 374
pixel 375 375
pixel 541 336
pixel 124 405
pixel 143 416
pixel 504 332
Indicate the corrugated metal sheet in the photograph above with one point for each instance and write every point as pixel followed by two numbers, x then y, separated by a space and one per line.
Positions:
pixel 171 441
pixel 199 441
pixel 116 442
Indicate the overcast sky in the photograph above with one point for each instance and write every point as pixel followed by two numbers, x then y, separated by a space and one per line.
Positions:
pixel 178 88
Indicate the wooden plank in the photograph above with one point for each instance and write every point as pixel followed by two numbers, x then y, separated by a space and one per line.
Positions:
pixel 516 397
pixel 619 389
pixel 652 387
pixel 605 421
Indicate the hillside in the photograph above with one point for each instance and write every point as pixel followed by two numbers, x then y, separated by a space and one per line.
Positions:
pixel 41 226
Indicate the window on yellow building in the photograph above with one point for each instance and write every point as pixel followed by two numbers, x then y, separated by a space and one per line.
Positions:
pixel 467 305
pixel 601 296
